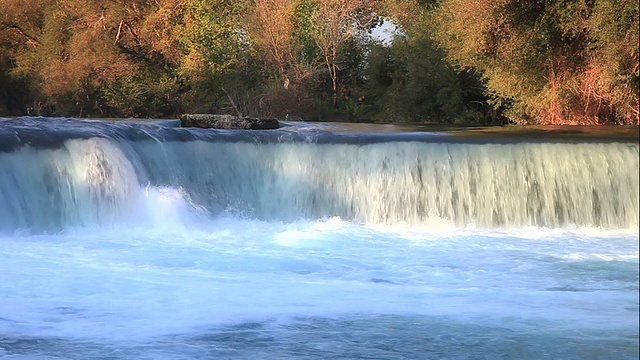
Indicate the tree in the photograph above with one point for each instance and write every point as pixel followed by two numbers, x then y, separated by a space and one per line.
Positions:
pixel 408 80
pixel 338 22
pixel 560 61
pixel 87 57
pixel 548 57
pixel 271 27
pixel 611 78
pixel 272 30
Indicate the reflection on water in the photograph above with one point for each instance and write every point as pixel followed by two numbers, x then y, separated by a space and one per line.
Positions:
pixel 523 132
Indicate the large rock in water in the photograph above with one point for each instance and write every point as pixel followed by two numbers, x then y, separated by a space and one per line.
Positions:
pixel 209 121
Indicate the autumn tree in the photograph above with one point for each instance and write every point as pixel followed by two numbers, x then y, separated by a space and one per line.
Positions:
pixel 86 58
pixel 338 22
pixel 612 75
pixel 561 61
pixel 271 27
pixel 553 59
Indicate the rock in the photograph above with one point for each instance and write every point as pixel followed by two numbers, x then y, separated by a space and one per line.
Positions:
pixel 210 121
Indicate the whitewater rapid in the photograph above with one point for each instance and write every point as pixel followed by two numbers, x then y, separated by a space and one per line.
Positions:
pixel 237 288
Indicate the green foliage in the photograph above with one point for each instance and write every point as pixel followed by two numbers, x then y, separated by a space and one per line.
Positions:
pixel 410 81
pixel 304 30
pixel 214 32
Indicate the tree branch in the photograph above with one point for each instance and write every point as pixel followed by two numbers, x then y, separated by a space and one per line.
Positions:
pixel 30 39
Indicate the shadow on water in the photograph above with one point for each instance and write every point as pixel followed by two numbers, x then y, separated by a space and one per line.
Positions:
pixel 530 132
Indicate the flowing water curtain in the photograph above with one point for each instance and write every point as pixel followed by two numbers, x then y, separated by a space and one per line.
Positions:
pixel 100 177
pixel 416 183
pixel 83 183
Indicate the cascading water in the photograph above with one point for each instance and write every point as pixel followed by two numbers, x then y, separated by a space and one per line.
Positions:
pixel 84 182
pixel 142 240
pixel 510 185
pixel 93 180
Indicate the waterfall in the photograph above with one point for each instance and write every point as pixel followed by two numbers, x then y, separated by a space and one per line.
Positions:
pixel 82 183
pixel 491 185
pixel 98 179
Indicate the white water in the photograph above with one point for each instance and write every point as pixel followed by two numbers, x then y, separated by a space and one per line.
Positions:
pixel 144 251
pixel 234 288
pixel 97 181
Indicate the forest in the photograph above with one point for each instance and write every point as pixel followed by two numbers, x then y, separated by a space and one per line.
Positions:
pixel 463 62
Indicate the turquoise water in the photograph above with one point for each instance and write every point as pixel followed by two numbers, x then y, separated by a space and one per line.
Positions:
pixel 144 242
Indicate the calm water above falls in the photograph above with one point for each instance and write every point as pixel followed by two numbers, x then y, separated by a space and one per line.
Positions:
pixel 144 241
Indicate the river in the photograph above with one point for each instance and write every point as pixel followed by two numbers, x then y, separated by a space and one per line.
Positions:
pixel 143 240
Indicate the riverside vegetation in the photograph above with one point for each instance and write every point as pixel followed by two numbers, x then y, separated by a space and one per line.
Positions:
pixel 450 61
